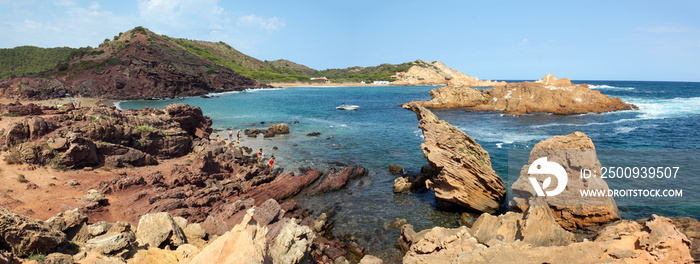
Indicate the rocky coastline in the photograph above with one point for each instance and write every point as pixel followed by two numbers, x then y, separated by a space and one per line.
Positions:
pixel 547 95
pixel 158 188
pixel 152 186
pixel 536 229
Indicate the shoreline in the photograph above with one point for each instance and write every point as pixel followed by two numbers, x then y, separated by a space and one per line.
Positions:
pixel 323 84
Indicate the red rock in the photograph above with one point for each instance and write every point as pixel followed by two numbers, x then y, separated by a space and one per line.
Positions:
pixel 336 181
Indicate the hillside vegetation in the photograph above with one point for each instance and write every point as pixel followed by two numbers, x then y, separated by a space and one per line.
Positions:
pixel 24 60
pixel 53 62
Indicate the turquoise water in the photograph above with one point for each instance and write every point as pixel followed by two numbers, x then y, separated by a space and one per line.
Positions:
pixel 381 133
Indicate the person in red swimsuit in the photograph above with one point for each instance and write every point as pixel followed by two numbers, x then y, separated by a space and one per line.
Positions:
pixel 272 162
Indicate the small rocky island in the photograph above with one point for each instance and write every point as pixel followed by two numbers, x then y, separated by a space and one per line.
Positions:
pixel 547 95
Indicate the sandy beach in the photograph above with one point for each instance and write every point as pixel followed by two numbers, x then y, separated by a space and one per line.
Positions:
pixel 321 84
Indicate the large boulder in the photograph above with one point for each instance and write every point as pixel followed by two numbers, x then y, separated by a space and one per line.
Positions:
pixel 465 177
pixel 278 129
pixel 245 243
pixel 82 152
pixel 292 244
pixel 438 244
pixel 572 211
pixel 159 230
pixel 111 242
pixel 24 235
pixel 537 226
pixel 66 220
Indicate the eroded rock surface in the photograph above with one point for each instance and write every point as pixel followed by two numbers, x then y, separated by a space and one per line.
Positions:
pixel 465 177
pixel 572 211
pixel 548 95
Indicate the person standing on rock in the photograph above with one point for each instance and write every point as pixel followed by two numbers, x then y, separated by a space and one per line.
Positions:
pixel 260 154
pixel 238 134
pixel 230 135
pixel 272 162
pixel 218 138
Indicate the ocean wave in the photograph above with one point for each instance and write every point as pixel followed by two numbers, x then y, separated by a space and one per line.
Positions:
pixel 118 104
pixel 261 89
pixel 649 109
pixel 501 136
pixel 608 87
pixel 667 108
pixel 222 93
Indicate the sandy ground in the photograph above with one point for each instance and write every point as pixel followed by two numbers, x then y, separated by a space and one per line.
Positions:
pixel 45 192
pixel 321 84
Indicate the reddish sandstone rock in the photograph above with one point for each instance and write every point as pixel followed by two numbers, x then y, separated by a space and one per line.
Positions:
pixel 465 177
pixel 338 180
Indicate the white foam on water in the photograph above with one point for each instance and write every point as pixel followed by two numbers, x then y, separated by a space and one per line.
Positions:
pixel 624 129
pixel 118 105
pixel 499 145
pixel 608 87
pixel 501 136
pixel 222 93
pixel 261 89
pixel 649 109
pixel 667 108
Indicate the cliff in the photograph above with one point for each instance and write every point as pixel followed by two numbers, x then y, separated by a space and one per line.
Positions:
pixel 427 73
pixel 138 64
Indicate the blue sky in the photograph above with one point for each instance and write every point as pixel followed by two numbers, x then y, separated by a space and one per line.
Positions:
pixel 582 40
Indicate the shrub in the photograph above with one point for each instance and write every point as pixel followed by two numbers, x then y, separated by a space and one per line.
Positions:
pixel 13 157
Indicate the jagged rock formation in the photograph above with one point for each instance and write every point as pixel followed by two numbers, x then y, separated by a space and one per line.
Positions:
pixel 137 65
pixel 548 95
pixel 464 174
pixel 451 96
pixel 427 73
pixel 23 235
pixel 653 241
pixel 572 211
pixel 103 135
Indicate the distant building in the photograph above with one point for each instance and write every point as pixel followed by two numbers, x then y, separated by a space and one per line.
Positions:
pixel 324 79
pixel 380 82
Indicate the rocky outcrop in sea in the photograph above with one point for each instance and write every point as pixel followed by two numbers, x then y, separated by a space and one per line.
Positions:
pixel 548 95
pixel 464 174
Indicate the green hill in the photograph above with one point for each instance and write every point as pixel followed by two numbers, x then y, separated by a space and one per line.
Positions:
pixel 24 60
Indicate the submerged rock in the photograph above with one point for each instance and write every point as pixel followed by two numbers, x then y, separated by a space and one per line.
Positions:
pixel 465 177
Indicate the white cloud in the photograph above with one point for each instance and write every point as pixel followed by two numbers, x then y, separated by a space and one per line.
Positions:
pixel 270 24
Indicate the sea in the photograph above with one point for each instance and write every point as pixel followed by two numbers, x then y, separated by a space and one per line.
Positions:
pixel 380 133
